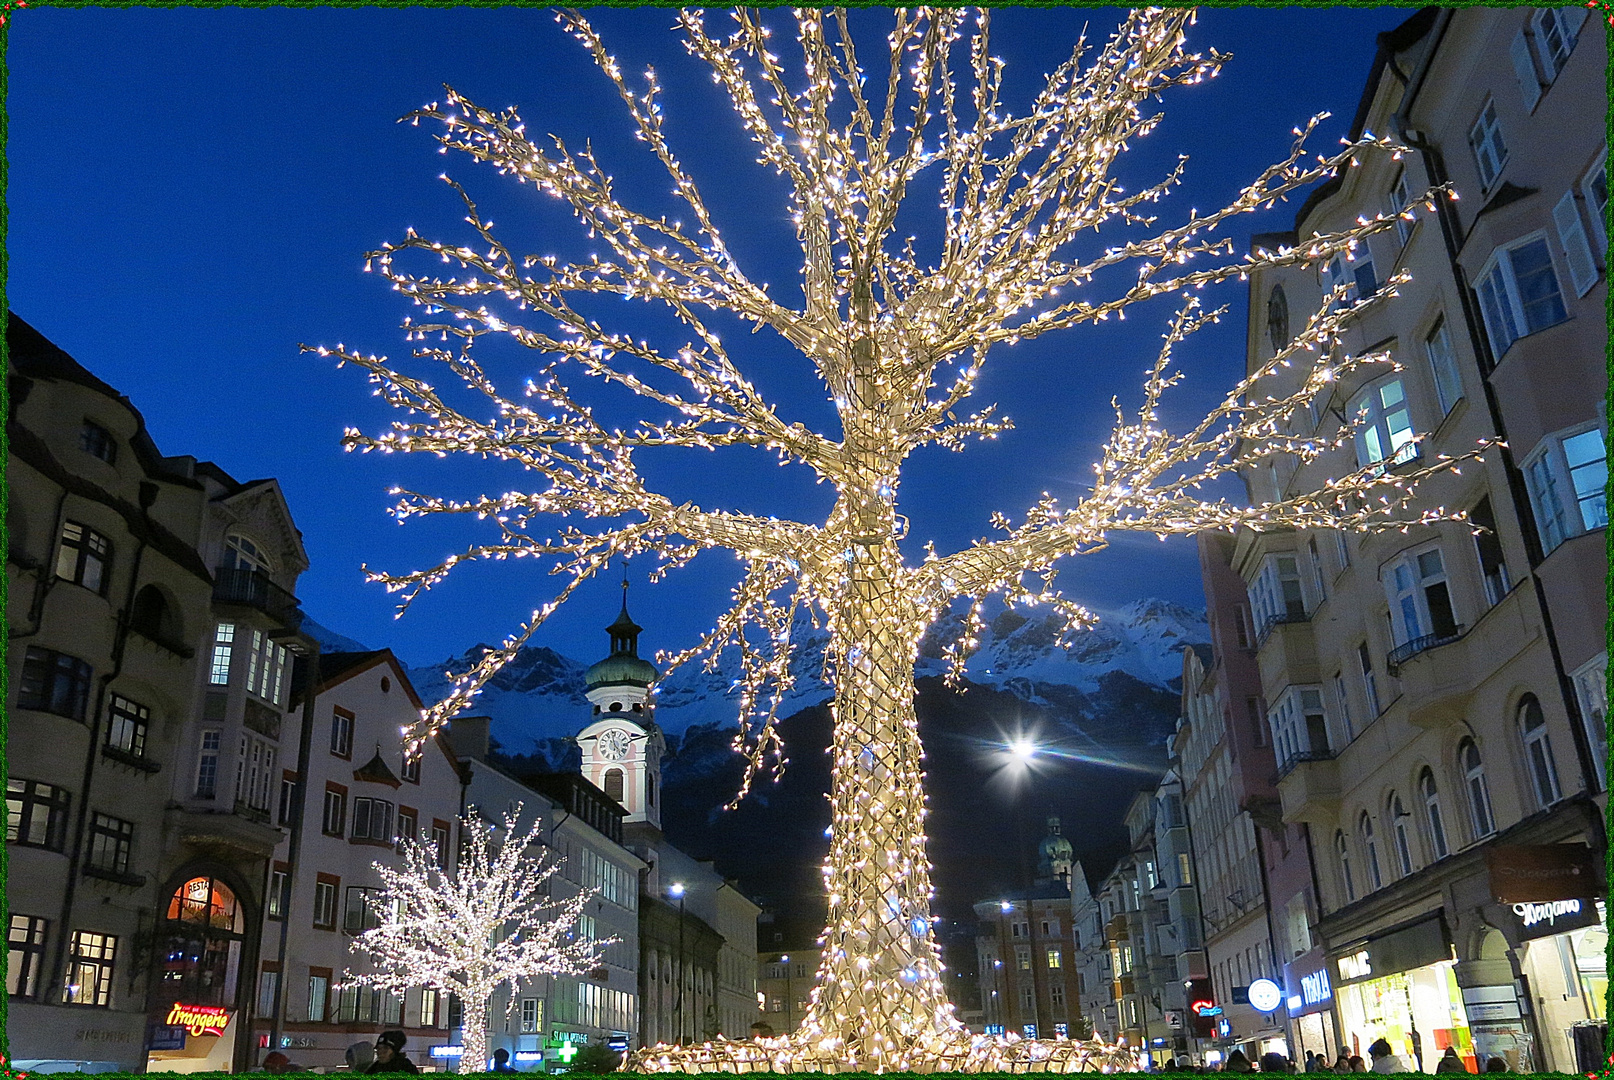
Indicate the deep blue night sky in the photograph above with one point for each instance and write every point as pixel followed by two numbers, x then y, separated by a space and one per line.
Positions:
pixel 191 193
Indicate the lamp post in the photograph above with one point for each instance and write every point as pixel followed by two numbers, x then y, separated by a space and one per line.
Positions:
pixel 677 890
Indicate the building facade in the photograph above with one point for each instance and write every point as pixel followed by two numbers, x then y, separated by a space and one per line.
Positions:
pixel 1435 696
pixel 347 798
pixel 153 621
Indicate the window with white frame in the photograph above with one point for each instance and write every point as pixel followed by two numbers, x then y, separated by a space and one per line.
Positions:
pixel 1277 594
pixel 1342 855
pixel 1443 365
pixel 1397 813
pixel 1317 572
pixel 266 668
pixel 1354 272
pixel 255 773
pixel 1342 548
pixel 83 556
pixel 1594 189
pixel 1524 69
pixel 207 766
pixel 1538 760
pixel 1299 725
pixel 1566 476
pixel 1591 691
pixel 1343 703
pixel 1555 31
pixel 1480 816
pixel 1370 684
pixel 1420 597
pixel 1518 293
pixel 1573 243
pixel 243 553
pixel 372 820
pixel 1383 421
pixel 1397 203
pixel 1485 139
pixel 1370 845
pixel 223 643
pixel 1488 548
pixel 1434 821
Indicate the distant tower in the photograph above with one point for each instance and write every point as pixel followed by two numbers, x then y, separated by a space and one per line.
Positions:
pixel 622 747
pixel 1054 855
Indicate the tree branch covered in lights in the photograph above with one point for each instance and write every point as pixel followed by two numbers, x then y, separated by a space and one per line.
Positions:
pixel 488 922
pixel 899 339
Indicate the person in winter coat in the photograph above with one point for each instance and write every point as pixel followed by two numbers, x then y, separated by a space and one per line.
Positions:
pixel 389 1054
pixel 1450 1062
pixel 1384 1059
pixel 1237 1062
pixel 1357 1064
pixel 1342 1064
pixel 360 1056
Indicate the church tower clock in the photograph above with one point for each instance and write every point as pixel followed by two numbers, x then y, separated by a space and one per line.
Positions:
pixel 622 747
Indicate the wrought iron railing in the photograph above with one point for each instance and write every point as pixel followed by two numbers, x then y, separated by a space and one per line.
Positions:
pixel 1295 760
pixel 1401 654
pixel 254 589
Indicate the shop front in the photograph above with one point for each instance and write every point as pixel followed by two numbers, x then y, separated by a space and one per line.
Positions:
pixel 1401 986
pixel 197 1004
pixel 1547 902
pixel 1309 999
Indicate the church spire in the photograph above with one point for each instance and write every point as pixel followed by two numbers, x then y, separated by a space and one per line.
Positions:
pixel 624 632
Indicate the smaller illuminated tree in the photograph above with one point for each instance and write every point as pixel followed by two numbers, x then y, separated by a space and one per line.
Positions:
pixel 489 921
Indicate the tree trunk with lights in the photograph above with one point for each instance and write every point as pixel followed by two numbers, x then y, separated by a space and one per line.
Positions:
pixel 899 343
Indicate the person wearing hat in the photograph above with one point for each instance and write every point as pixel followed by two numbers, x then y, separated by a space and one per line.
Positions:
pixel 501 1061
pixel 389 1054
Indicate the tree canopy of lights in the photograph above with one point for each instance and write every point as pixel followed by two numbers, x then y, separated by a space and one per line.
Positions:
pixel 898 336
pixel 486 921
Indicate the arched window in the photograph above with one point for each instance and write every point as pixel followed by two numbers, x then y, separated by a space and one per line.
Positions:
pixel 151 617
pixel 649 788
pixel 1343 854
pixel 202 943
pixel 1479 792
pixel 1398 828
pixel 613 784
pixel 1432 815
pixel 1538 751
pixel 1370 845
pixel 1277 318
pixel 242 553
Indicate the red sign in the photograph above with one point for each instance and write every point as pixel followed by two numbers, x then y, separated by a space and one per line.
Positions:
pixel 199 1019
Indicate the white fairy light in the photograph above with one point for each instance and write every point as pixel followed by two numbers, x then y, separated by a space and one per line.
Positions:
pixel 899 345
pixel 486 922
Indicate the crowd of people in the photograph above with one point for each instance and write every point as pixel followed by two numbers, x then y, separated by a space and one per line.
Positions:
pixel 1384 1060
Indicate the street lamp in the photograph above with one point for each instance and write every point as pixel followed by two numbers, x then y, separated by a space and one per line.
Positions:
pixel 677 890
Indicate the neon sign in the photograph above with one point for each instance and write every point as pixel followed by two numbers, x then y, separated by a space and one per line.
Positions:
pixel 200 1019
pixel 1534 913
pixel 1206 1008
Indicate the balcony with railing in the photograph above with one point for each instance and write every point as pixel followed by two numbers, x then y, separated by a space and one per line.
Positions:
pixel 1288 650
pixel 1439 672
pixel 253 589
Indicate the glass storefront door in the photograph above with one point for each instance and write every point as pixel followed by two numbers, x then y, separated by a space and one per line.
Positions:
pixel 1418 1012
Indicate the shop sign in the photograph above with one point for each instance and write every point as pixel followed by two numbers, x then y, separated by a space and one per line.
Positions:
pixel 529 1055
pixel 618 1043
pixel 1541 872
pixel 1265 995
pixel 560 1039
pixel 163 1037
pixel 200 1019
pixel 1415 946
pixel 1224 1028
pixel 1309 987
pixel 1554 917
pixel 1490 1003
pixel 1174 1018
pixel 447 1051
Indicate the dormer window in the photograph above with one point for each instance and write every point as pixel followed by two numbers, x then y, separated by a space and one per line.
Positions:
pixel 241 553
pixel 97 441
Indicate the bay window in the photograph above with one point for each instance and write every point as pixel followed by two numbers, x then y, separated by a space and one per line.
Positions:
pixel 1566 476
pixel 1518 293
pixel 1420 597
pixel 1277 594
pixel 1383 422
pixel 1300 725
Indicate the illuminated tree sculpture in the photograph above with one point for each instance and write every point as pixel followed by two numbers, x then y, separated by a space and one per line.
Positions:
pixel 487 921
pixel 899 343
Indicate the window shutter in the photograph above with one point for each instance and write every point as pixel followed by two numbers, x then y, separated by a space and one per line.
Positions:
pixel 1524 67
pixel 1577 251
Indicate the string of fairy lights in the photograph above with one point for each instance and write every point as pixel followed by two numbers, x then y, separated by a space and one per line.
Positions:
pixel 899 344
pixel 490 921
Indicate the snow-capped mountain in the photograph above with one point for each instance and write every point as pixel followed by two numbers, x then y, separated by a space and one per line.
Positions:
pixel 538 696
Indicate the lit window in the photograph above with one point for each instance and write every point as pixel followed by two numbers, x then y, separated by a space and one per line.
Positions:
pixel 1518 294
pixel 111 842
pixel 1538 751
pixel 1485 139
pixel 1443 365
pixel 36 814
pixel 25 955
pixel 89 969
pixel 1054 958
pixel 126 727
pixel 1384 425
pixel 83 557
pixel 279 892
pixel 223 643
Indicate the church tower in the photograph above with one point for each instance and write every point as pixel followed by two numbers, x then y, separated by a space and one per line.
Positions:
pixel 622 747
pixel 1054 855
